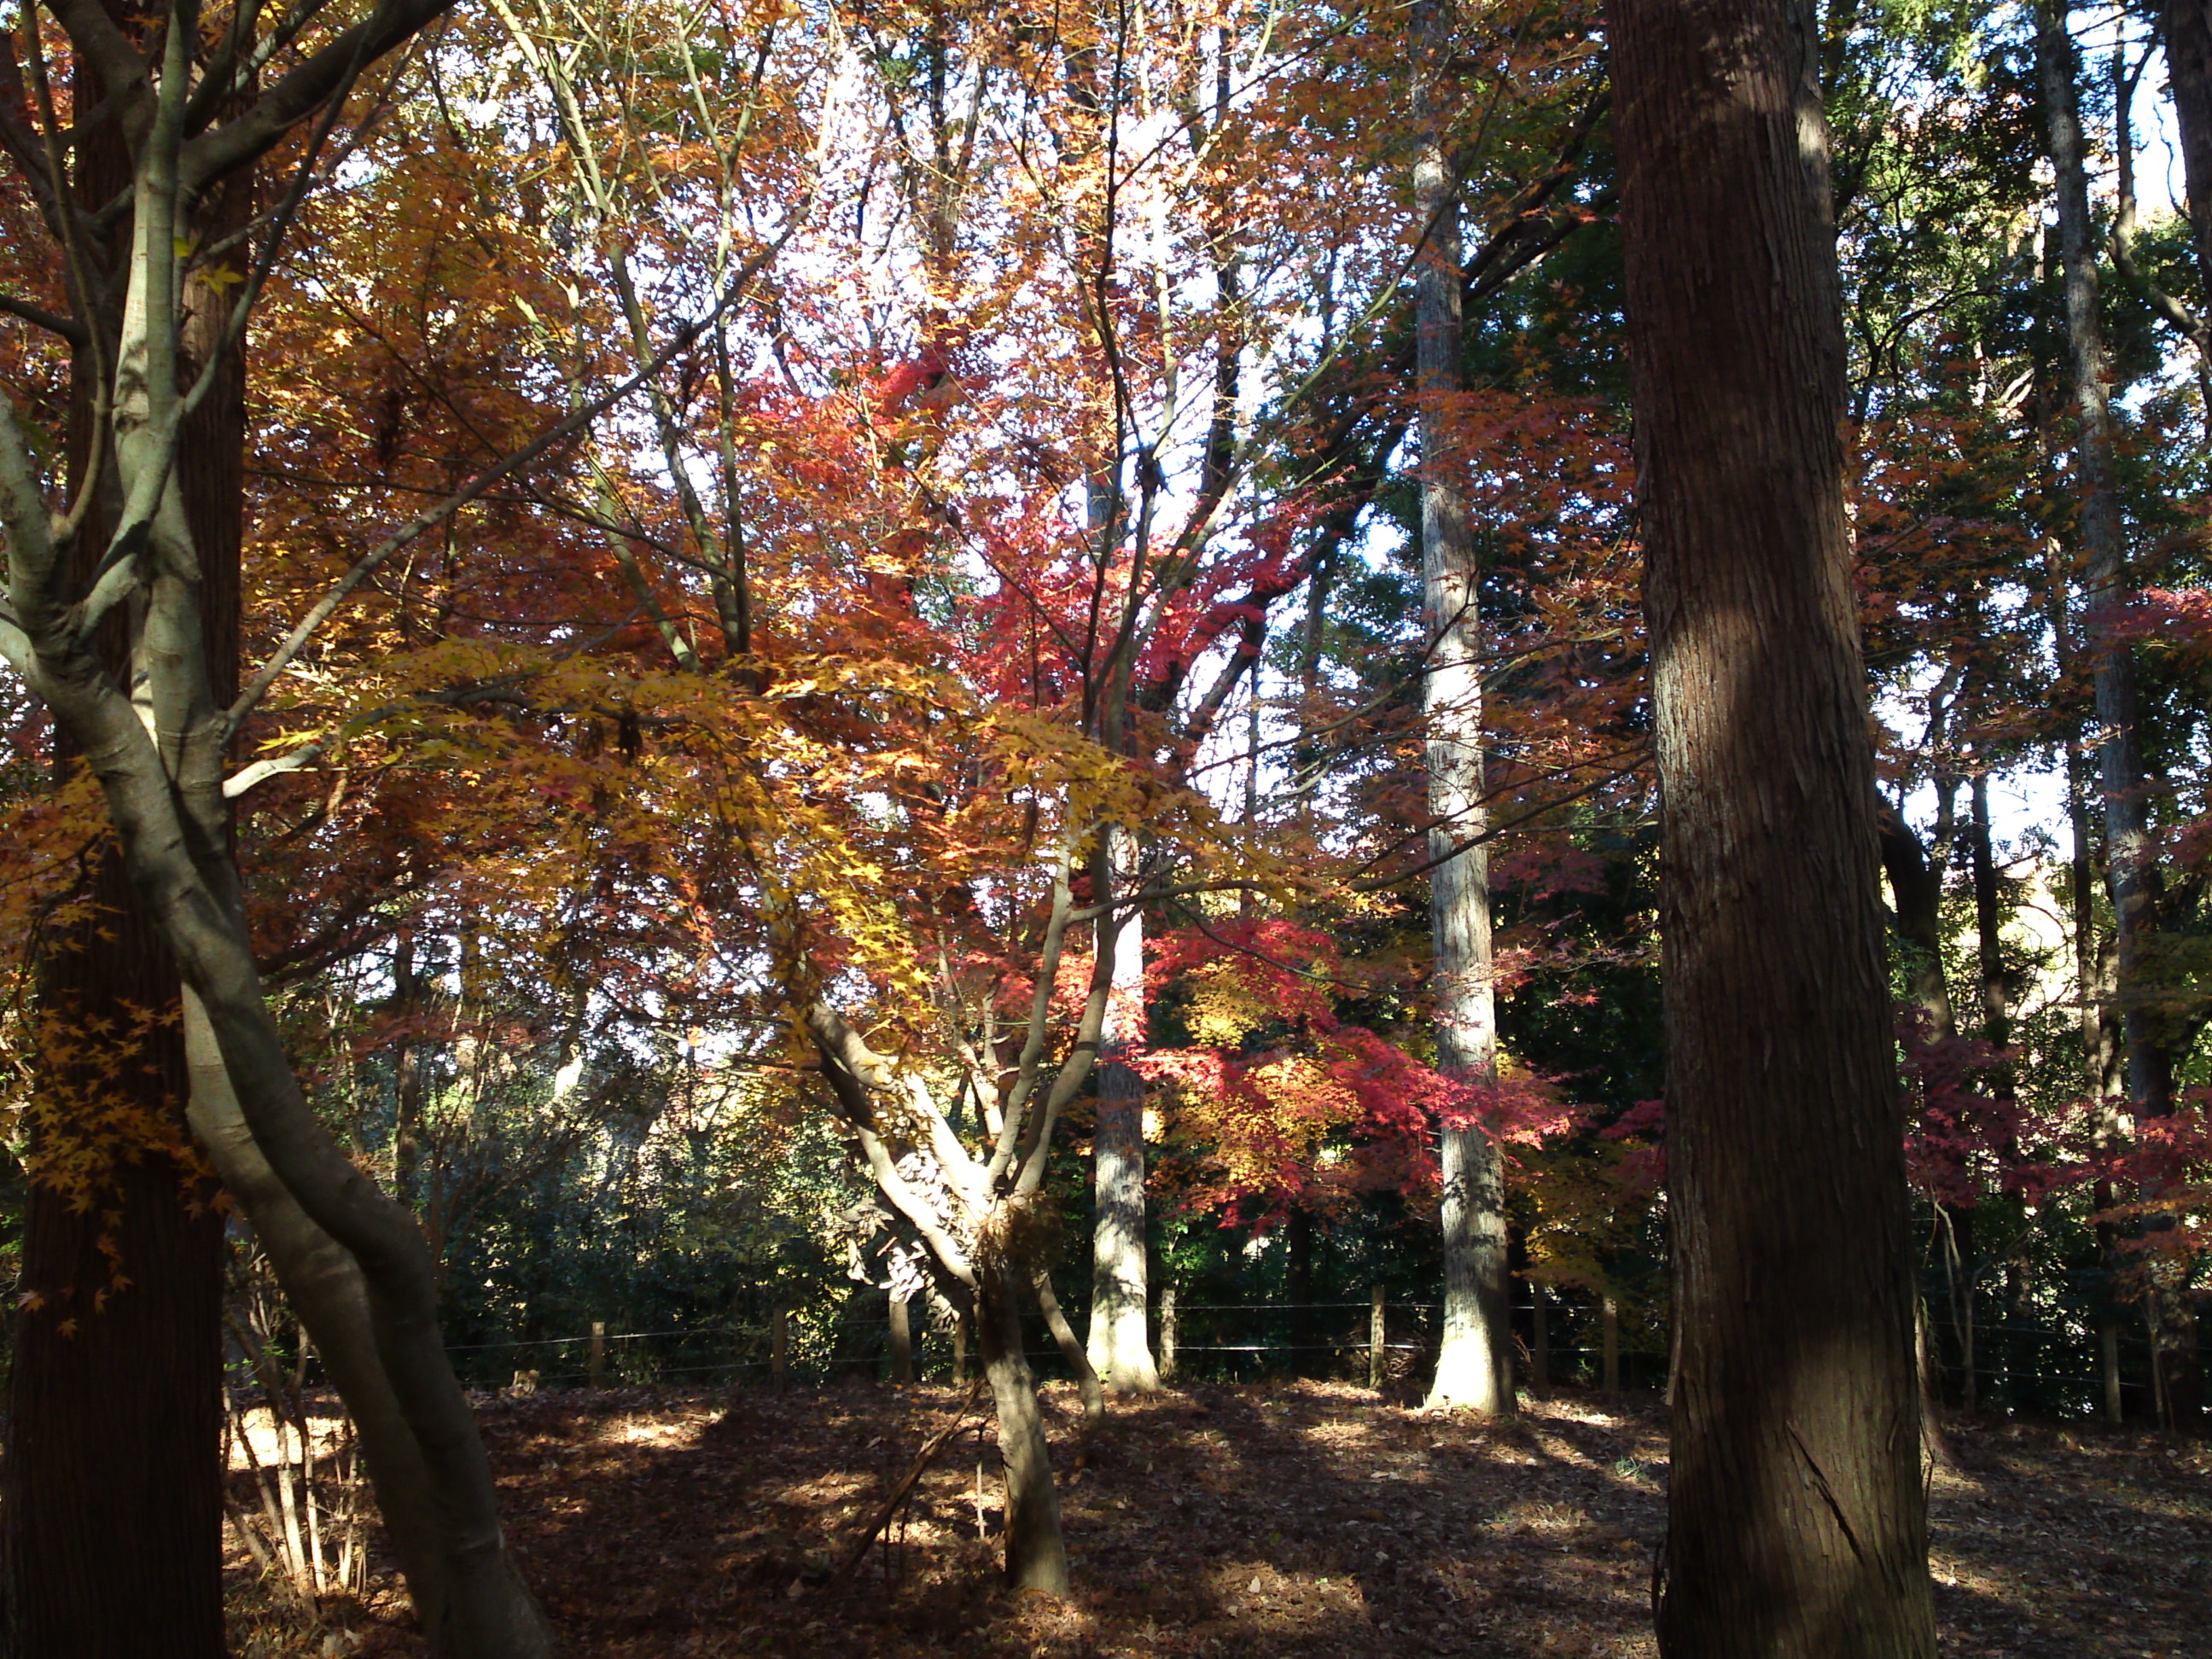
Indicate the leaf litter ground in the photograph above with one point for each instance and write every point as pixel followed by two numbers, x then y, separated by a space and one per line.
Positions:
pixel 1302 1518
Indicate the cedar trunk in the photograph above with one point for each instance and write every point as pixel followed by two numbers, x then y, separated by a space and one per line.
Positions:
pixel 1797 1525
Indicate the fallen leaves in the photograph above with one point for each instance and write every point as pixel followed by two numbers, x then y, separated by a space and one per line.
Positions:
pixel 1305 1519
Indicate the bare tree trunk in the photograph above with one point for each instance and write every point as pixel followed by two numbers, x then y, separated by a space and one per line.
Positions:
pixel 1037 1556
pixel 1797 1525
pixel 1086 1378
pixel 1120 1348
pixel 2130 866
pixel 323 1286
pixel 1474 1359
pixel 902 1340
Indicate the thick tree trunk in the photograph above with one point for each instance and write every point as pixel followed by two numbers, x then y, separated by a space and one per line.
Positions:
pixel 1797 1525
pixel 2186 30
pixel 2130 866
pixel 1037 1555
pixel 113 1507
pixel 112 1531
pixel 1474 1359
pixel 1120 1348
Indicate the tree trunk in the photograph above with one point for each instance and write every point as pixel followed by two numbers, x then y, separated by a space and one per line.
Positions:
pixel 113 1507
pixel 1917 888
pixel 1298 1288
pixel 1086 1378
pixel 1120 1347
pixel 2185 30
pixel 1474 1359
pixel 1997 1004
pixel 1797 1524
pixel 2130 867
pixel 112 1530
pixel 902 1340
pixel 1037 1555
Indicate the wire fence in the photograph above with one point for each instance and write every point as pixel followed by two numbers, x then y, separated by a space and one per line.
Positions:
pixel 2055 1368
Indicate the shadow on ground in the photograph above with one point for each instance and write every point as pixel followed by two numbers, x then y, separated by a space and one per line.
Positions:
pixel 1305 1519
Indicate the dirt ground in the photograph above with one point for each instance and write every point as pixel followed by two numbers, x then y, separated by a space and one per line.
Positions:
pixel 1296 1519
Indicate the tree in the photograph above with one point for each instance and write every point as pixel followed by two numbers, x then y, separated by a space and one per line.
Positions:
pixel 1474 1361
pixel 2132 870
pixel 352 1260
pixel 113 1514
pixel 1796 1520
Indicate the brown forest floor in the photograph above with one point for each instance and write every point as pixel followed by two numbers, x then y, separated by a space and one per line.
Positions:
pixel 1301 1518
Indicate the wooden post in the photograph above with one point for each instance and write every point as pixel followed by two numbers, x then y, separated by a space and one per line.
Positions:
pixel 959 1347
pixel 1539 1350
pixel 1609 1317
pixel 598 1363
pixel 1171 1331
pixel 737 1350
pixel 901 1341
pixel 779 1349
pixel 1378 1339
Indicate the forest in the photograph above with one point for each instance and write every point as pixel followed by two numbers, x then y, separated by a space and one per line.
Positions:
pixel 1110 828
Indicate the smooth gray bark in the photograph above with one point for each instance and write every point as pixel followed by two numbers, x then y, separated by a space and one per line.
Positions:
pixel 1475 1361
pixel 1120 1347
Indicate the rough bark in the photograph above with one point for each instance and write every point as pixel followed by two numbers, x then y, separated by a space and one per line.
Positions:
pixel 1797 1524
pixel 114 1496
pixel 1474 1358
pixel 2185 30
pixel 2131 871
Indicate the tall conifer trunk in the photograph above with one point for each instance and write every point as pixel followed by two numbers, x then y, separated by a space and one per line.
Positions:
pixel 2131 871
pixel 1474 1361
pixel 2185 28
pixel 1797 1525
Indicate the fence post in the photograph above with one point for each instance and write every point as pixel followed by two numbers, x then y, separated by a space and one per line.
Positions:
pixel 737 1350
pixel 1378 1338
pixel 598 1364
pixel 779 1348
pixel 1540 1355
pixel 901 1341
pixel 1609 1318
pixel 1171 1331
